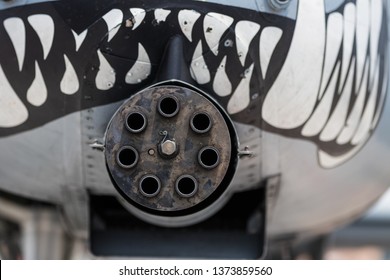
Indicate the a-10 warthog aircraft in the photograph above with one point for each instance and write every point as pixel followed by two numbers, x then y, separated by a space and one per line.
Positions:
pixel 195 129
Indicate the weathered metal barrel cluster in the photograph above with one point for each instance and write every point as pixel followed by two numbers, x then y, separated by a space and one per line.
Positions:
pixel 168 148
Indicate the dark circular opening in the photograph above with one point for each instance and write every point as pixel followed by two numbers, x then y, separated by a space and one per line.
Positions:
pixel 136 122
pixel 150 186
pixel 208 157
pixel 186 186
pixel 168 106
pixel 201 123
pixel 127 157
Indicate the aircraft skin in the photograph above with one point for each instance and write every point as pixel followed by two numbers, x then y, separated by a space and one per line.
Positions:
pixel 303 85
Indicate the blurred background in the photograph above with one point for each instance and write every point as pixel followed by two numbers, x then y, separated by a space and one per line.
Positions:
pixel 367 238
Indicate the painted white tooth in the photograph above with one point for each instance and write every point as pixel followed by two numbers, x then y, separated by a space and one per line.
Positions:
pixel 105 78
pixel 17 33
pixel 44 27
pixel 37 93
pixel 363 131
pixel 291 99
pixel 161 15
pixel 334 37
pixel 354 118
pixel 378 112
pixel 199 70
pixel 241 96
pixel 69 82
pixel 12 110
pixel 113 20
pixel 222 85
pixel 139 15
pixel 321 114
pixel 338 118
pixel 376 23
pixel 362 37
pixel 79 38
pixel 269 38
pixel 141 69
pixel 328 161
pixel 214 26
pixel 349 36
pixel 245 32
pixel 187 20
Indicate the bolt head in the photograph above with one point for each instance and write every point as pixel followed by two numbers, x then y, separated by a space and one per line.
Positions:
pixel 168 148
pixel 279 4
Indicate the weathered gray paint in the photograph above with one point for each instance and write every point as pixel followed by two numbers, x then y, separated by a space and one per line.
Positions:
pixel 15 3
